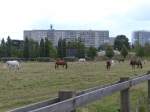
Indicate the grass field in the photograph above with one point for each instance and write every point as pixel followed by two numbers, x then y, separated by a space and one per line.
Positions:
pixel 40 81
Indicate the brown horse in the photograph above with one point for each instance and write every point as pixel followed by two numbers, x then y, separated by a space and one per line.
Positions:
pixel 108 64
pixel 136 62
pixel 62 63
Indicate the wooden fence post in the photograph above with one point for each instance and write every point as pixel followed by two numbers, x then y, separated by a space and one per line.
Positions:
pixel 125 97
pixel 63 95
pixel 148 73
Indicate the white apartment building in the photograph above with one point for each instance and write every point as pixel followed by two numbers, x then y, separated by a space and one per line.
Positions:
pixel 142 37
pixel 88 37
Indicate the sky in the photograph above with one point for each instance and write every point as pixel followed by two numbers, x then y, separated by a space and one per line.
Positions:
pixel 117 16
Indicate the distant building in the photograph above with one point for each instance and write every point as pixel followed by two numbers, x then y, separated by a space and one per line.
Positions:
pixel 110 41
pixel 18 43
pixel 88 37
pixel 141 37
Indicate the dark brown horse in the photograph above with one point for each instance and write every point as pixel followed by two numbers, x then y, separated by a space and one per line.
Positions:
pixel 62 63
pixel 136 62
pixel 108 64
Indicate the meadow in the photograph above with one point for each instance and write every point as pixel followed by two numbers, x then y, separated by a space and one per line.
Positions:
pixel 38 81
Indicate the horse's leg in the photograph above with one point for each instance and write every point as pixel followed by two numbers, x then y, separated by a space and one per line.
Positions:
pixel 141 66
pixel 55 66
pixel 66 66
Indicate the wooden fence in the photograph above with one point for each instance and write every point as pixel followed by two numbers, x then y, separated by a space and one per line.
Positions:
pixel 68 101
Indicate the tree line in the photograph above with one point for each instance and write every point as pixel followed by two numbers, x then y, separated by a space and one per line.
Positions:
pixel 44 48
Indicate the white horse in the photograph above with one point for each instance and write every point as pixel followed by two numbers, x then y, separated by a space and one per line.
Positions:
pixel 82 60
pixel 13 64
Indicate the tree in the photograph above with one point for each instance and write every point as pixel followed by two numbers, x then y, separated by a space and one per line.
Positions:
pixel 147 49
pixel 124 51
pixel 26 48
pixel 61 48
pixel 42 48
pixel 33 49
pixel 3 48
pixel 47 47
pixel 80 48
pixel 140 51
pixel 91 52
pixel 120 41
pixel 109 52
pixel 8 47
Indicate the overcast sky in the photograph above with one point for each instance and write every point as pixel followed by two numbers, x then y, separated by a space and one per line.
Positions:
pixel 117 16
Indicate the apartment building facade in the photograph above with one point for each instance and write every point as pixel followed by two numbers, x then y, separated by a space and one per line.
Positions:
pixel 141 37
pixel 88 37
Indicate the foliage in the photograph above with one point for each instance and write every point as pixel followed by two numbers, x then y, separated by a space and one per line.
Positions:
pixel 33 49
pixel 139 51
pixel 26 48
pixel 91 52
pixel 8 47
pixel 80 50
pixel 42 48
pixel 109 52
pixel 124 51
pixel 3 48
pixel 147 50
pixel 120 41
pixel 61 48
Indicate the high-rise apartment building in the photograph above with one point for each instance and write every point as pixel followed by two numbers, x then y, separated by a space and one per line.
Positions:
pixel 88 37
pixel 142 37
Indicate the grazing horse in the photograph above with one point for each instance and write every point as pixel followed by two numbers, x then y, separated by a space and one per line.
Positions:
pixel 82 60
pixel 136 62
pixel 108 64
pixel 13 64
pixel 62 63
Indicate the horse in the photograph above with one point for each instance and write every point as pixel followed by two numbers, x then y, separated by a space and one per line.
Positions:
pixel 13 64
pixel 82 60
pixel 136 62
pixel 108 64
pixel 62 63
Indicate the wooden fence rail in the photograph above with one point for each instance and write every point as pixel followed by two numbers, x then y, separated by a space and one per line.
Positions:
pixel 87 96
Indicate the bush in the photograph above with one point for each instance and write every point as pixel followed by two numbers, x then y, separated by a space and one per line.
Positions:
pixel 43 59
pixel 70 59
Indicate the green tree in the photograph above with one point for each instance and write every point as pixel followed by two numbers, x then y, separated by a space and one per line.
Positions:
pixel 64 47
pixel 139 51
pixel 26 48
pixel 80 50
pixel 147 49
pixel 61 48
pixel 33 49
pixel 47 47
pixel 8 47
pixel 3 48
pixel 91 52
pixel 124 51
pixel 120 41
pixel 109 52
pixel 42 48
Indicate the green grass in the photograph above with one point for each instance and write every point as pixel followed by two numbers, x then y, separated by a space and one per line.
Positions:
pixel 40 81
